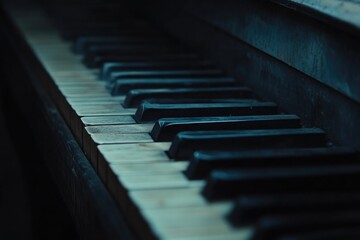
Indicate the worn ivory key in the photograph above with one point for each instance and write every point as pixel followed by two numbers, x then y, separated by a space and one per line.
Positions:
pixel 129 153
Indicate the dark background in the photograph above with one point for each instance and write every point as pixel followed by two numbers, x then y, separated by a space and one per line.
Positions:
pixel 30 204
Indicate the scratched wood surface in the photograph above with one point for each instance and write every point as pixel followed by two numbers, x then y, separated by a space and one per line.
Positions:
pixel 347 11
pixel 285 55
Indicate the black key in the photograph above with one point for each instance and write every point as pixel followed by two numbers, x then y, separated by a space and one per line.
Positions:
pixel 165 129
pixel 179 101
pixel 72 32
pixel 124 85
pixel 82 43
pixel 130 50
pixel 335 233
pixel 96 61
pixel 186 143
pixel 249 209
pixel 118 76
pixel 109 68
pixel 223 184
pixel 136 49
pixel 204 162
pixel 273 227
pixel 152 111
pixel 136 96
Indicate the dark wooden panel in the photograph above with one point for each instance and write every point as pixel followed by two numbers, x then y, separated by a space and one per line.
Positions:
pixel 343 14
pixel 216 29
pixel 323 52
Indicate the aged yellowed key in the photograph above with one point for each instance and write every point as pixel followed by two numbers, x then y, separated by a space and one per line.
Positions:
pixel 114 154
pixel 205 222
pixel 83 108
pixel 112 134
pixel 154 188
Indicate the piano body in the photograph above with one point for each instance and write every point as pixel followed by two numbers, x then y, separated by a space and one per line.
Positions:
pixel 193 119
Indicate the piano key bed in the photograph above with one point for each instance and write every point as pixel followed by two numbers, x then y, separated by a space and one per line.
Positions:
pixel 184 150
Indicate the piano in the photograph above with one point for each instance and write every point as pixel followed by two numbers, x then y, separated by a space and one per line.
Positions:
pixel 193 119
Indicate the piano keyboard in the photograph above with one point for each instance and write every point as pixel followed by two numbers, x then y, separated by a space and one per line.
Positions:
pixel 184 149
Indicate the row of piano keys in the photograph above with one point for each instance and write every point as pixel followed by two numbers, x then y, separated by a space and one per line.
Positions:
pixel 185 150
